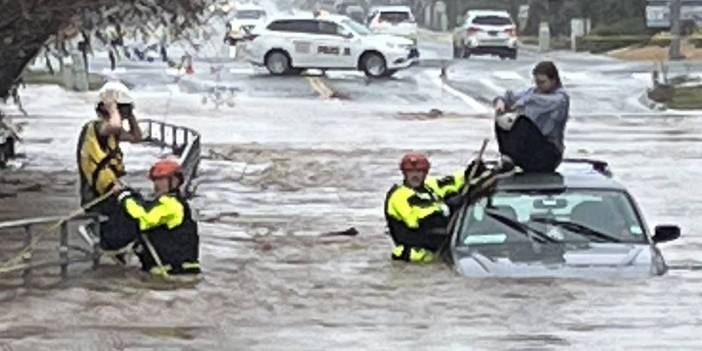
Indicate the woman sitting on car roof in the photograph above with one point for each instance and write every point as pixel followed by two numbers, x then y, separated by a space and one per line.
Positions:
pixel 534 139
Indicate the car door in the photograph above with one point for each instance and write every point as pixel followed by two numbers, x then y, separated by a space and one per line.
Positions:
pixel 332 46
pixel 302 34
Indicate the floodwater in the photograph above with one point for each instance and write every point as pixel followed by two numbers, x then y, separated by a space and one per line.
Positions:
pixel 300 168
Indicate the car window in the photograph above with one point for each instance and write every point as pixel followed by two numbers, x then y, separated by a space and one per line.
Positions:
pixel 328 28
pixel 492 20
pixel 356 27
pixel 395 16
pixel 298 26
pixel 572 215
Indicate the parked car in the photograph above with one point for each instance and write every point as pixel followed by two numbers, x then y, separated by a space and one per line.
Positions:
pixel 394 20
pixel 486 32
pixel 246 18
pixel 575 223
pixel 291 44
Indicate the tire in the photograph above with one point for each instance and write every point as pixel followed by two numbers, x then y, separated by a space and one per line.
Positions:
pixel 278 62
pixel 466 53
pixel 513 55
pixel 373 65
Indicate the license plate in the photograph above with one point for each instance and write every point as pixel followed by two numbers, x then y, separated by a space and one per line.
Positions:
pixel 493 33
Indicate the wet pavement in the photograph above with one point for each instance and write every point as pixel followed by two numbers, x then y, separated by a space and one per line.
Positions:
pixel 290 166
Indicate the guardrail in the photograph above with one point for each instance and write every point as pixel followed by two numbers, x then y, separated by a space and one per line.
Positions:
pixel 183 142
pixel 64 249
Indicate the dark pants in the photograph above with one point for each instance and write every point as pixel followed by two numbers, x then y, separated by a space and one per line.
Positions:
pixel 527 147
pixel 120 229
pixel 431 235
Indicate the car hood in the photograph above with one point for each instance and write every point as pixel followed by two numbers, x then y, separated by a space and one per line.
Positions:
pixel 582 261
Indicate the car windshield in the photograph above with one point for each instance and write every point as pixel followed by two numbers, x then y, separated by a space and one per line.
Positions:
pixel 548 217
pixel 395 16
pixel 355 27
pixel 492 21
pixel 250 14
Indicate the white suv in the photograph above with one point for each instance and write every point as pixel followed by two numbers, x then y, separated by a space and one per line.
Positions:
pixel 246 18
pixel 291 44
pixel 486 32
pixel 395 20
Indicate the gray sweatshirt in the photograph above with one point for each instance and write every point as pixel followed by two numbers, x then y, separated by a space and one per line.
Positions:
pixel 549 112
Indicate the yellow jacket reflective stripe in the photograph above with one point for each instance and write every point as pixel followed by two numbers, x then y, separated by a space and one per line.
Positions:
pixel 167 211
pixel 400 208
pixel 92 155
pixel 448 185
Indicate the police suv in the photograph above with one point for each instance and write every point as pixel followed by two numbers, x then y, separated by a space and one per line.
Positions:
pixel 290 44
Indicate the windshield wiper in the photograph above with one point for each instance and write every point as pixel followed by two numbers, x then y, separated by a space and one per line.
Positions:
pixel 579 229
pixel 541 237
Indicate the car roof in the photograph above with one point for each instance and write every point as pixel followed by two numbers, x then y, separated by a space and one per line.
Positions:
pixel 392 8
pixel 310 16
pixel 572 174
pixel 499 13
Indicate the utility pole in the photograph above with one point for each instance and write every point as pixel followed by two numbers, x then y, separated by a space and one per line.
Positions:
pixel 675 10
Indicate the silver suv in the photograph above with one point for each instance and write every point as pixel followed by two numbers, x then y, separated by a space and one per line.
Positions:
pixel 486 32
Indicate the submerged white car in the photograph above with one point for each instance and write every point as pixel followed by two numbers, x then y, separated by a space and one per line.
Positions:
pixel 290 44
pixel 395 20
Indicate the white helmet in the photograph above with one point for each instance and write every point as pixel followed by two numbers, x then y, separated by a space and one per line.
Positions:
pixel 115 91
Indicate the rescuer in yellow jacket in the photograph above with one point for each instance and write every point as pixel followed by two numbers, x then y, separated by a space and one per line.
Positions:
pixel 418 210
pixel 166 222
pixel 101 163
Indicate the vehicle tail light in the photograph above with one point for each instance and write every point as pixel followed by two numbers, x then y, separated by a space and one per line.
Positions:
pixel 512 32
pixel 473 30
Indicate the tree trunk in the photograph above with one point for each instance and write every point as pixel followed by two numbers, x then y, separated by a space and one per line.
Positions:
pixel 19 44
pixel 538 12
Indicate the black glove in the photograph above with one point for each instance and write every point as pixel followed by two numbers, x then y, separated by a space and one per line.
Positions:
pixel 481 185
pixel 479 167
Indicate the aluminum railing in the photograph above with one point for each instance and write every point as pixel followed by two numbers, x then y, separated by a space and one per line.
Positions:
pixel 29 226
pixel 183 142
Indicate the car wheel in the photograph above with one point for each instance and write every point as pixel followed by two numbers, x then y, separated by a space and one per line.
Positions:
pixel 278 63
pixel 374 65
pixel 466 53
pixel 513 56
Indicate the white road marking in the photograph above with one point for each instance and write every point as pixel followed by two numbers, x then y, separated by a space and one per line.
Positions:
pixel 507 75
pixel 470 101
pixel 498 90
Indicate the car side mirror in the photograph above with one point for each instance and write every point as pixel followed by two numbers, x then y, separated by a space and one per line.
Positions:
pixel 665 233
pixel 347 35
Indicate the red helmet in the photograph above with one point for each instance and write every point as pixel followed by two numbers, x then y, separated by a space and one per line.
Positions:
pixel 164 169
pixel 414 161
